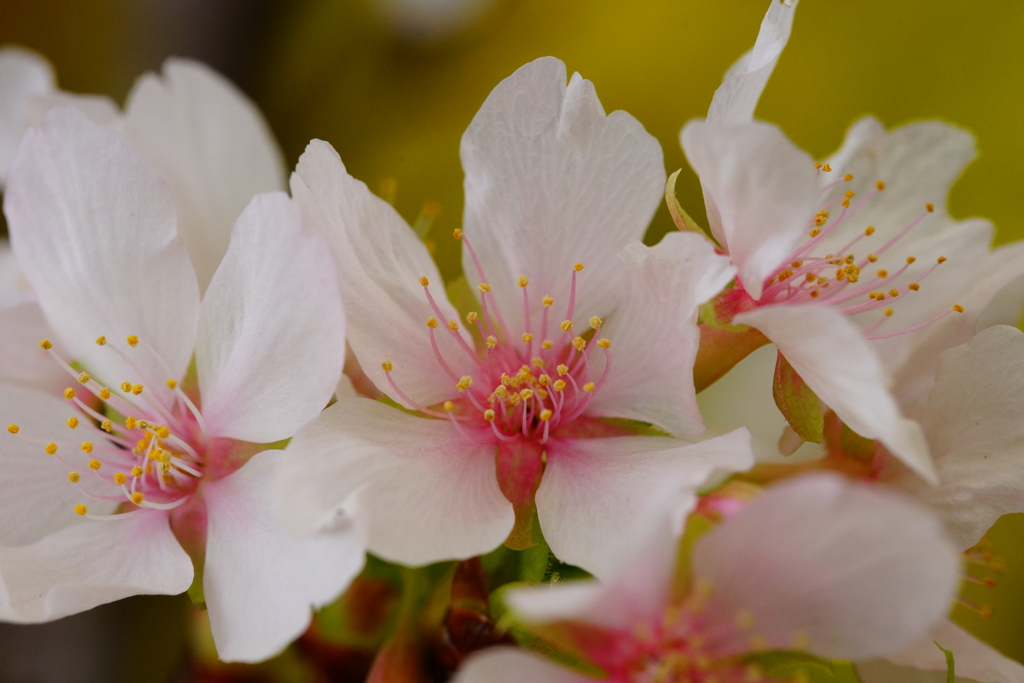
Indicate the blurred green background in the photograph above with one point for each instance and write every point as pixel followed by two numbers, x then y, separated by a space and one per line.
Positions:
pixel 393 83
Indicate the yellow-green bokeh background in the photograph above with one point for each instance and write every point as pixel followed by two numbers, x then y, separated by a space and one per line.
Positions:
pixel 395 108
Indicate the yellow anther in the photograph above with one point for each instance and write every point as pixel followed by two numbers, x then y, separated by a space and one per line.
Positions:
pixel 83 378
pixel 386 365
pixel 538 362
pixel 848 177
pixel 845 203
pixel 604 343
pixel 107 426
pixel 126 387
pixel 72 422
pixel 882 273
pixel 547 302
pixel 887 311
pixel 45 344
pixel 559 385
pixel 162 455
pixel 457 234
pixel 817 165
pixel 453 325
pixel 165 467
pixel 137 389
pixel 527 337
pixel 449 406
pixel 911 259
pixel 483 287
pixel 87 447
pixel 94 464
pixel 81 509
pixel 431 322
pixel 543 394
pixel 821 217
pixel 958 308
pixel 69 393
pixel 51 448
pixel 489 415
pixel 163 432
pixel 523 280
pixel 826 168
pixel 578 267
pixel 120 478
pixel 464 383
pixel 491 341
pixel 815 294
pixel 880 185
pixel 547 344
pixel 132 340
pixel 137 471
pixel 142 444
pixel 137 497
pixel 143 424
pixel 840 274
pixel 130 422
pixel 894 292
pixel 104 393
pixel 545 415
pixel 563 370
pixel 869 231
pixel 588 387
pixel 801 641
pixel 745 619
pixel 500 391
pixel 101 341
pixel 872 258
pixel 930 208
pixel 815 232
pixel 74 477
pixel 171 384
pixel 544 380
pixel 849 258
pixel 913 286
pixel 471 317
pixel 941 259
pixel 596 322
pixel 849 194
pixel 579 343
pixel 565 325
pixel 526 394
pixel 13 428
pixel 505 379
pixel 424 281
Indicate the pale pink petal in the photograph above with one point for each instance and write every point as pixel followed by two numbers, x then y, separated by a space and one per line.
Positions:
pixel 974 421
pixel 597 494
pixel 835 360
pixel 92 226
pixel 379 260
pixel 89 564
pixel 427 492
pixel 212 146
pixel 14 287
pixel 736 99
pixel 551 181
pixel 271 338
pixel 654 333
pixel 23 75
pixel 923 662
pixel 760 191
pixel 37 497
pixel 854 570
pixel 512 665
pixel 261 585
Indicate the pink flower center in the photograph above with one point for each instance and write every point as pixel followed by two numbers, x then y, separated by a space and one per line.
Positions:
pixel 835 278
pixel 521 384
pixel 153 457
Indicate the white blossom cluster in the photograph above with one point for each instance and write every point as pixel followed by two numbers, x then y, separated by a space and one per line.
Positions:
pixel 175 314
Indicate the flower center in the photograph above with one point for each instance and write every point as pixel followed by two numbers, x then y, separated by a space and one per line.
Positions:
pixel 519 386
pixel 145 453
pixel 835 277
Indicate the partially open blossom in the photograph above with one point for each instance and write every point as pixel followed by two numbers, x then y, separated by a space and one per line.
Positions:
pixel 839 570
pixel 574 321
pixel 142 459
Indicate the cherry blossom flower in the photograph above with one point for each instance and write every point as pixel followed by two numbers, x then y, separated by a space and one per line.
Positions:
pixel 816 563
pixel 159 461
pixel 512 401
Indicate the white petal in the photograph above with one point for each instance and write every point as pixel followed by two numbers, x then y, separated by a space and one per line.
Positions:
pixel 736 99
pixel 14 288
pixel 597 494
pixel 551 181
pixel 922 662
pixel 837 362
pixel 654 332
pixel 90 564
pixel 23 75
pixel 380 260
pixel 97 108
pixel 513 665
pixel 34 487
pixel 858 570
pixel 272 333
pixel 760 191
pixel 974 421
pixel 211 145
pixel 21 360
pixel 92 225
pixel 260 585
pixel 428 493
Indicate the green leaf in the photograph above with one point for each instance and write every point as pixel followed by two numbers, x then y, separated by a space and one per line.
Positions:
pixel 797 402
pixel 785 662
pixel 950 668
